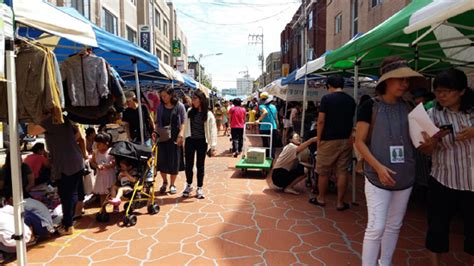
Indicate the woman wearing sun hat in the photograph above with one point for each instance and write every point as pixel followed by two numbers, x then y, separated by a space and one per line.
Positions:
pixel 383 140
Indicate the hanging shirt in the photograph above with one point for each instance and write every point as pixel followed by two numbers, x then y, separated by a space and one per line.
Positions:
pixel 87 79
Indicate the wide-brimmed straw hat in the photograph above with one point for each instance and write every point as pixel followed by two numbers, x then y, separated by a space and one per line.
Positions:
pixel 398 69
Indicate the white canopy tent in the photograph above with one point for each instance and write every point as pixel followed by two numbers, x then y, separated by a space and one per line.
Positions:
pixel 38 14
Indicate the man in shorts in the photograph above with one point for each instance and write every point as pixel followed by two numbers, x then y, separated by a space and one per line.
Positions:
pixel 335 123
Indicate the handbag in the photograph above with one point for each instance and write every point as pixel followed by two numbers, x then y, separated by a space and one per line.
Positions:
pixel 164 133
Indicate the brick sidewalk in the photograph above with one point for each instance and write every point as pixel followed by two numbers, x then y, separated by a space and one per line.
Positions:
pixel 240 222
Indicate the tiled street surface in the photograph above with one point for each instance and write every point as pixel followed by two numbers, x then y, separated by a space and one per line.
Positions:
pixel 241 222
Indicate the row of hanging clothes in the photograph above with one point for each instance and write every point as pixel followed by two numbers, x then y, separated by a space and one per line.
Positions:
pixel 84 85
pixel 39 84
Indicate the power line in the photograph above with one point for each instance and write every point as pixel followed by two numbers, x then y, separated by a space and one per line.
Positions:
pixel 230 24
pixel 234 4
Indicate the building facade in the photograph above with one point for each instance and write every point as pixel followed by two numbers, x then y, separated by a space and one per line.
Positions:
pixel 291 38
pixel 346 18
pixel 244 85
pixel 273 66
pixel 127 18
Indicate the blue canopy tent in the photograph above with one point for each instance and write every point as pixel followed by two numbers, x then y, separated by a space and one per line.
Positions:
pixel 291 78
pixel 128 59
pixel 118 52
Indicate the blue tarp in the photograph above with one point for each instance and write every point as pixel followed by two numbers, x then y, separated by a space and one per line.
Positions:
pixel 117 51
pixel 291 78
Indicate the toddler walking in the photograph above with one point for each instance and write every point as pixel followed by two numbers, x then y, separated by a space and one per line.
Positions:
pixel 105 165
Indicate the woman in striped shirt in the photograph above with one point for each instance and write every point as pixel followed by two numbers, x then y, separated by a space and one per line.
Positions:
pixel 451 186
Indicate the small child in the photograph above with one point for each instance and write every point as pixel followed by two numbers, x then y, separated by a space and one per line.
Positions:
pixel 125 181
pixel 105 164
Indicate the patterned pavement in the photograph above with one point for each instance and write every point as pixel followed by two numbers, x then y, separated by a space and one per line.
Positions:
pixel 241 222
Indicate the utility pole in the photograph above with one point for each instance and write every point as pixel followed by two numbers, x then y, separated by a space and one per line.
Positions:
pixel 255 39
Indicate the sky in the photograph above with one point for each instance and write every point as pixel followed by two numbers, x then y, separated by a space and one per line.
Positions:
pixel 223 26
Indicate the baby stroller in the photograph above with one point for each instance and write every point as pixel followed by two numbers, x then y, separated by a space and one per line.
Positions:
pixel 143 160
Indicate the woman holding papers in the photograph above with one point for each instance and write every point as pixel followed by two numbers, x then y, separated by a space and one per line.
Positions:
pixel 383 140
pixel 451 186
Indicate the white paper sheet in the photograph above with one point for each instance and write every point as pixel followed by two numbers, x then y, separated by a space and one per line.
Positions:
pixel 419 121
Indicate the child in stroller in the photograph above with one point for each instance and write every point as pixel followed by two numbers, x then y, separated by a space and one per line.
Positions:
pixel 126 179
pixel 135 181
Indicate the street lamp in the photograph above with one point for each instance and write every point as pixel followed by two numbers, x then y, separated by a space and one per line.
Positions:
pixel 201 56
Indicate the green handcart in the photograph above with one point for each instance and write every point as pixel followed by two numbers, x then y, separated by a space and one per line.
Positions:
pixel 267 163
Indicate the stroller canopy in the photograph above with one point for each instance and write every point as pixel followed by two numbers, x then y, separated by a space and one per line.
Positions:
pixel 129 150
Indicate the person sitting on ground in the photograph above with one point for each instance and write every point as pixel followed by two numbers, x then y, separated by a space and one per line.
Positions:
pixel 39 164
pixel 287 171
pixel 27 178
pixel 125 179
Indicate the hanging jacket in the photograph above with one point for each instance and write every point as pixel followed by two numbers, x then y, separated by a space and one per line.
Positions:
pixel 87 79
pixel 38 90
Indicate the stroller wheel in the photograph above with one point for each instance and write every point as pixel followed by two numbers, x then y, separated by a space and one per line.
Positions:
pixel 130 220
pixel 102 217
pixel 153 208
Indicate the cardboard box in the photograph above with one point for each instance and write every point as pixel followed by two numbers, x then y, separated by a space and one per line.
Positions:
pixel 255 155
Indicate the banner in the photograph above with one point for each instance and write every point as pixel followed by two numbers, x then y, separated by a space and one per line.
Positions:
pixel 176 46
pixel 315 93
pixel 145 37
pixel 285 70
pixel 180 65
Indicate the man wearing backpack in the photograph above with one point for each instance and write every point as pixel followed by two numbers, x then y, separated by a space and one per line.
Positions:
pixel 335 123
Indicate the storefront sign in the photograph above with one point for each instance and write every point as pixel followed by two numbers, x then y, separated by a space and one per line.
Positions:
pixel 145 37
pixel 285 70
pixel 176 46
pixel 180 65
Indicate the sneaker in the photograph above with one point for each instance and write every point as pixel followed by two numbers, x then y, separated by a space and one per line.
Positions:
pixel 187 190
pixel 173 189
pixel 199 193
pixel 163 188
pixel 66 232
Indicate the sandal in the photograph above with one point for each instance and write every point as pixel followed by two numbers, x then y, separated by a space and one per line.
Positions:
pixel 345 206
pixel 316 202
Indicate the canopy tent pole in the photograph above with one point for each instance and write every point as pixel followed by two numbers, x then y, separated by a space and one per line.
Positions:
pixel 305 90
pixel 139 99
pixel 17 190
pixel 356 91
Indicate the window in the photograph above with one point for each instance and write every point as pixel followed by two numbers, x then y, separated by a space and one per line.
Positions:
pixel 166 58
pixel 157 20
pixel 109 22
pixel 131 35
pixel 310 20
pixel 165 28
pixel 158 53
pixel 338 23
pixel 276 66
pixel 376 2
pixel 83 6
pixel 355 17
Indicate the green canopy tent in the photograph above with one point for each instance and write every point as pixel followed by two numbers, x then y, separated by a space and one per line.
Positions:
pixel 431 34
